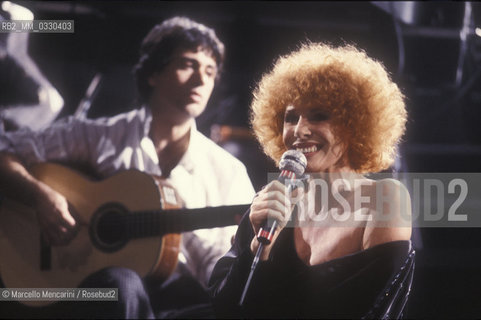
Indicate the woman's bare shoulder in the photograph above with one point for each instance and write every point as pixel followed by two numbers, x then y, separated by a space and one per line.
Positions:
pixel 390 214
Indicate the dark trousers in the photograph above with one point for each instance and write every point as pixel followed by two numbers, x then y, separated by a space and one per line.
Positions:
pixel 180 296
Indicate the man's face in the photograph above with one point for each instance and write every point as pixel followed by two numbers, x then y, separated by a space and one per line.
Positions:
pixel 185 84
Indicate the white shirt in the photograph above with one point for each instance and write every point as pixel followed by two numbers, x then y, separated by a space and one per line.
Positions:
pixel 207 175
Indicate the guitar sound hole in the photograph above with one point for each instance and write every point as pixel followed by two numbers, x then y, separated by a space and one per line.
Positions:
pixel 108 231
pixel 110 228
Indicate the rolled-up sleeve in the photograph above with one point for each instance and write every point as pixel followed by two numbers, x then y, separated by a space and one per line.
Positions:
pixel 64 140
pixel 100 143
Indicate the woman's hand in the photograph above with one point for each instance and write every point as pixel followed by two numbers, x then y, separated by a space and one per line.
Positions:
pixel 271 203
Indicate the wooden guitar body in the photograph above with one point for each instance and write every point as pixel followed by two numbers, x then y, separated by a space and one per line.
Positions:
pixel 25 261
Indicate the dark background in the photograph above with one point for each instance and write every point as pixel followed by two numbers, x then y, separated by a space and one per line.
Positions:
pixel 419 43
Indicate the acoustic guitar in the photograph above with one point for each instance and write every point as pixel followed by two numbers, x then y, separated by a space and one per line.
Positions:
pixel 131 220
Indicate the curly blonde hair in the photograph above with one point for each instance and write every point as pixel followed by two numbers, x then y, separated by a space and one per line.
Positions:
pixel 365 107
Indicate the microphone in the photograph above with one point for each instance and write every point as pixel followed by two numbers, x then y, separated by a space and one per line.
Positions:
pixel 292 165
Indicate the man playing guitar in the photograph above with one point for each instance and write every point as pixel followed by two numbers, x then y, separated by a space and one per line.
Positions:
pixel 179 63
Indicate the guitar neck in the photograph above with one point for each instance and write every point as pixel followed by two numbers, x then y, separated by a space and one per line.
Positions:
pixel 153 223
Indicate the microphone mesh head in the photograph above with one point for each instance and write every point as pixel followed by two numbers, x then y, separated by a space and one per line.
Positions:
pixel 294 161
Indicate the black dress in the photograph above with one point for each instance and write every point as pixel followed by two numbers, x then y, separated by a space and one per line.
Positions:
pixel 373 283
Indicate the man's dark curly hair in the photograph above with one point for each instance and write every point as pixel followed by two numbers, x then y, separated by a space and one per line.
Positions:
pixel 164 39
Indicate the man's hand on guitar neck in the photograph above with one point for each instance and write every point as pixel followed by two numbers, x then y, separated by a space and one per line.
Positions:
pixel 55 220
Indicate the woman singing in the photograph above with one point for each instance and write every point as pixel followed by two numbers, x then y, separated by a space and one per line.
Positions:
pixel 346 250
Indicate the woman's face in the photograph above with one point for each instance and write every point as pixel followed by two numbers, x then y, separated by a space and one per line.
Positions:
pixel 309 130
